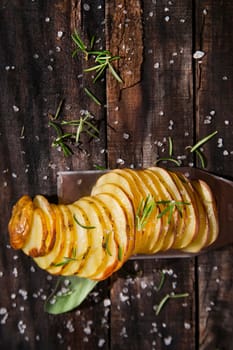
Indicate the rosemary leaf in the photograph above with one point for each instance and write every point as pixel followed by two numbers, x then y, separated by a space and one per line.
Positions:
pixel 92 96
pixel 83 226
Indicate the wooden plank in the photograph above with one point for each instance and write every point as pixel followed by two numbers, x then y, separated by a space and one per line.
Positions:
pixel 155 102
pixel 37 71
pixel 214 112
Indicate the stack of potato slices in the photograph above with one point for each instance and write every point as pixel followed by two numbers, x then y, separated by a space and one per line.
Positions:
pixel 128 212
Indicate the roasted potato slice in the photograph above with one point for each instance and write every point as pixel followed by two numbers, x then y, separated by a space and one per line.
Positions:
pixel 68 237
pixel 35 243
pixel 95 254
pixel 162 196
pixel 110 259
pixel 44 262
pixel 20 222
pixel 209 203
pixel 189 213
pixel 202 236
pixel 80 244
pixel 41 202
pixel 119 222
pixel 143 225
pixel 154 225
pixel 119 194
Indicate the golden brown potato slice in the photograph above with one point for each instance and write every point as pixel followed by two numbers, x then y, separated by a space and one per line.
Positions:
pixel 68 236
pixel 162 196
pixel 119 223
pixel 189 212
pixel 95 255
pixel 80 244
pixel 42 203
pixel 119 194
pixel 154 224
pixel 143 225
pixel 209 203
pixel 110 259
pixel 20 222
pixel 44 262
pixel 168 182
pixel 201 238
pixel 35 243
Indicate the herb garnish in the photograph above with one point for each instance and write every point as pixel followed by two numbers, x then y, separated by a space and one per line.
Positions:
pixel 171 205
pixel 193 149
pixel 106 244
pixel 144 211
pixel 147 206
pixel 83 226
pixel 67 259
pixel 103 58
pixel 77 127
pixel 196 148
pixel 120 253
pixel 170 154
pixel 166 298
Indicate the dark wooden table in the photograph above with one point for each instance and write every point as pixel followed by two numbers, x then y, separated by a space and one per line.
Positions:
pixel 166 93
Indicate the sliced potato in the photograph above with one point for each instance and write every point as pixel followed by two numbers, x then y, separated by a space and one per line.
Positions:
pixel 68 236
pixel 20 222
pixel 119 222
pixel 166 237
pixel 143 225
pixel 209 203
pixel 189 213
pixel 95 254
pixel 80 244
pixel 202 236
pixel 119 194
pixel 44 262
pixel 154 225
pixel 35 243
pixel 110 259
pixel 42 203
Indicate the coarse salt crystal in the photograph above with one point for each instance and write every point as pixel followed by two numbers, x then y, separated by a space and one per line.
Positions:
pixel 60 34
pixel 167 340
pixel 198 54
pixel 15 108
pixel 101 342
pixel 166 18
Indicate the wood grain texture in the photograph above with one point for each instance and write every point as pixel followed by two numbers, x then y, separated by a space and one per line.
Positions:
pixel 214 112
pixel 141 119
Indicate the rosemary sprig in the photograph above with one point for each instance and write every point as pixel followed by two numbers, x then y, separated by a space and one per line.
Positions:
pixel 83 226
pixel 166 298
pixel 92 96
pixel 161 282
pixel 170 206
pixel 120 253
pixel 170 154
pixel 67 259
pixel 144 211
pixel 103 58
pixel 79 126
pixel 106 244
pixel 196 148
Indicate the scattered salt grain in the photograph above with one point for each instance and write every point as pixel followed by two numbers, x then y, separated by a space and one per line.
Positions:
pixel 101 342
pixel 15 108
pixel 198 55
pixel 86 7
pixel 107 302
pixel 187 325
pixel 167 340
pixel 156 65
pixel 60 34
